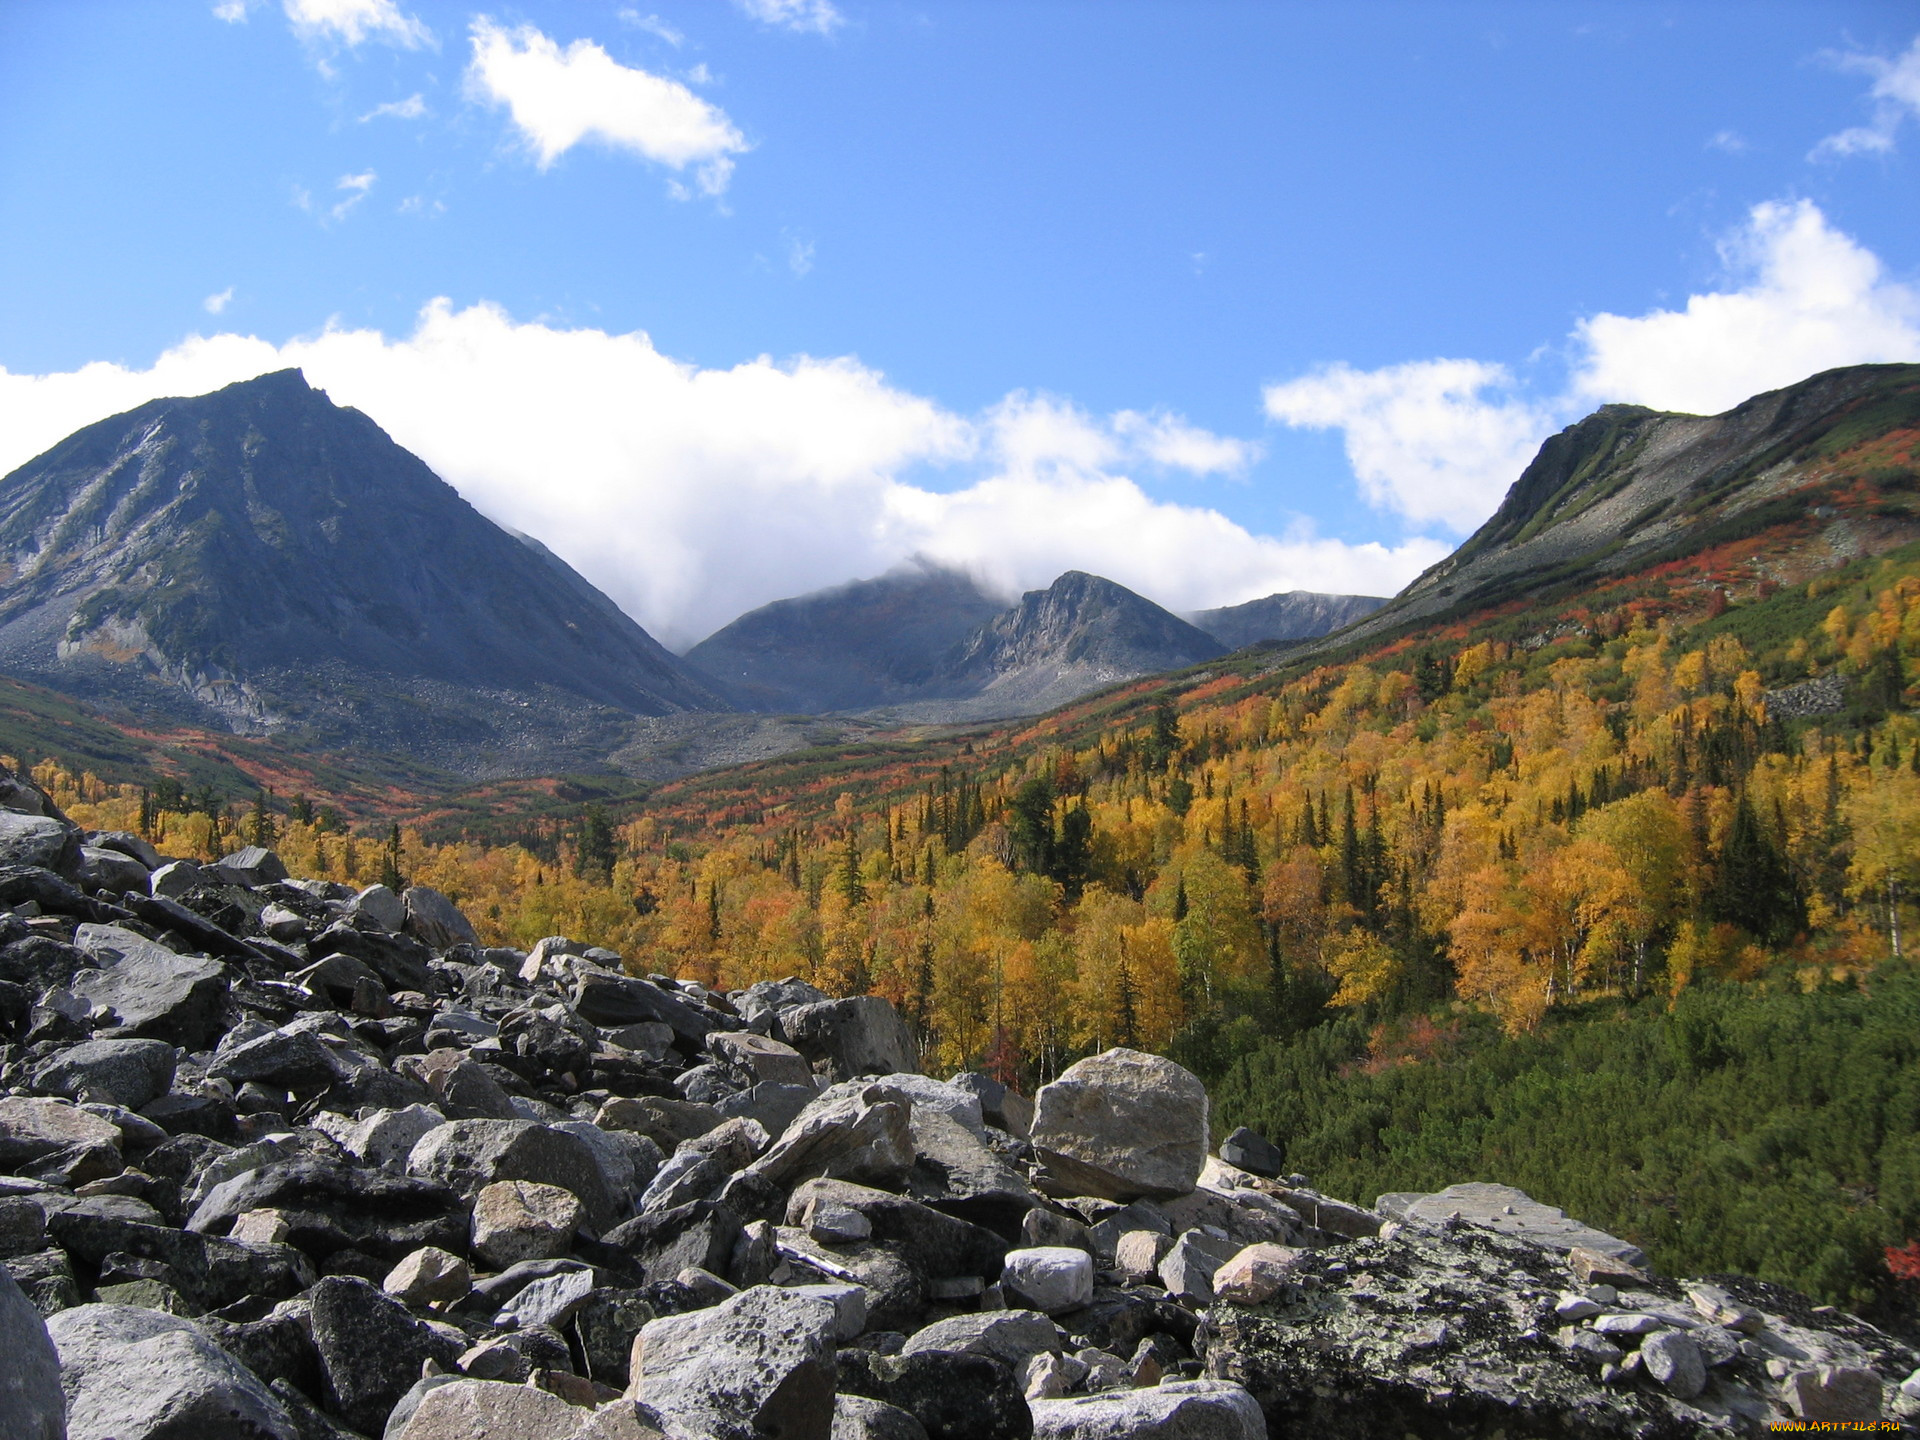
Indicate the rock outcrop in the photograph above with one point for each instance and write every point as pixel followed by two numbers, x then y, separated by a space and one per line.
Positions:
pixel 361 1176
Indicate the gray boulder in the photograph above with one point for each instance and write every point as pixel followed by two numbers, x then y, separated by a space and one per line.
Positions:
pixel 486 1410
pixel 1514 1212
pixel 160 996
pixel 468 1155
pixel 1011 1336
pixel 859 1134
pixel 434 920
pixel 371 1350
pixel 863 1035
pixel 758 1364
pixel 137 1374
pixel 104 869
pixel 857 1418
pixel 38 840
pixel 253 866
pixel 32 1405
pixel 379 907
pixel 1172 1410
pixel 122 1072
pixel 1122 1125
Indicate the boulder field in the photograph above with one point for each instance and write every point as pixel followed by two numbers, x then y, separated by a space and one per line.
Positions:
pixel 283 1160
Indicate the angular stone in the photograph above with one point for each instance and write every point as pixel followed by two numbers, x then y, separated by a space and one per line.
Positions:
pixel 254 866
pixel 330 1207
pixel 386 1138
pixel 1256 1273
pixel 1172 1410
pixel 371 1350
pixel 32 1129
pixel 1254 1153
pixel 175 998
pixel 849 1306
pixel 1836 1393
pixel 1187 1269
pixel 380 906
pixel 101 869
pixel 38 840
pixel 429 1274
pixel 957 1171
pixel 488 1410
pixel 1050 1279
pixel 468 1155
pixel 280 1059
pixel 211 1272
pixel 1675 1361
pixel 174 878
pixel 1012 1337
pixel 138 1374
pixel 549 1301
pixel 702 1235
pixel 936 1244
pixel 863 1035
pixel 666 1122
pixel 605 999
pixel 766 1059
pixel 605 1324
pixel 434 920
pixel 1139 1253
pixel 121 1072
pixel 1122 1125
pixel 515 1220
pixel 760 1364
pixel 32 1405
pixel 999 1106
pixel 951 1394
pixel 857 1418
pixel 865 1135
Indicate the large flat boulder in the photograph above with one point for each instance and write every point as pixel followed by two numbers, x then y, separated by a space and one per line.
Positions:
pixel 32 1404
pixel 760 1364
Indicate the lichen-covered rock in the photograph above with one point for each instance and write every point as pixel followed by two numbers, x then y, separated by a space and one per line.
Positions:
pixel 1176 1410
pixel 760 1364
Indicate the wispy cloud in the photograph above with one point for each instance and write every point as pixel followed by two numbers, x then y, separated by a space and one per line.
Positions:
pixel 817 17
pixel 1728 142
pixel 353 22
pixel 215 304
pixel 799 255
pixel 560 98
pixel 234 12
pixel 355 188
pixel 411 108
pixel 654 26
pixel 1895 94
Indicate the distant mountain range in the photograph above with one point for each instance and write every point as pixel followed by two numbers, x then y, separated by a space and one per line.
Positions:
pixel 263 562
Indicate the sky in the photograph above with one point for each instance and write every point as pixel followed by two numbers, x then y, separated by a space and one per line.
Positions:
pixel 729 300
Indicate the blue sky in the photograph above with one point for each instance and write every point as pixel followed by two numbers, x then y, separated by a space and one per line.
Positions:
pixel 728 299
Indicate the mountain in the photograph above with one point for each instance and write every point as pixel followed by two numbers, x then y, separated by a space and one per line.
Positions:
pixel 264 561
pixel 1629 489
pixel 1079 634
pixel 1290 615
pixel 851 647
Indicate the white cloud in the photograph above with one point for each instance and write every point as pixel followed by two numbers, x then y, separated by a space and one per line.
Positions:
pixel 351 22
pixel 1895 94
pixel 411 108
pixel 234 12
pixel 816 16
pixel 356 188
pixel 1443 439
pixel 560 98
pixel 1728 142
pixel 1424 438
pixel 1169 441
pixel 691 495
pixel 1810 299
pixel 799 255
pixel 214 304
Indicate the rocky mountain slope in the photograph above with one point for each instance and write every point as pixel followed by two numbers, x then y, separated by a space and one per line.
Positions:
pixel 262 560
pixel 851 647
pixel 1289 615
pixel 1628 488
pixel 1079 634
pixel 282 1159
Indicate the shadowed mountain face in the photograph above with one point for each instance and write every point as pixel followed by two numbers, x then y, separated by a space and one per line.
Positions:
pixel 871 642
pixel 264 560
pixel 1290 615
pixel 1629 488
